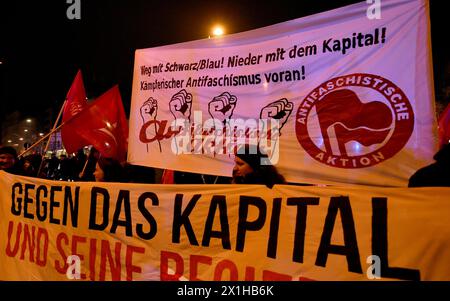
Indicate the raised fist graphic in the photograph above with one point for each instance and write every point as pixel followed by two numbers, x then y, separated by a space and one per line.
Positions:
pixel 149 110
pixel 222 106
pixel 180 105
pixel 280 110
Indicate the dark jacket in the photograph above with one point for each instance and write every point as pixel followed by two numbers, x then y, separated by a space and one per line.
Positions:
pixel 436 174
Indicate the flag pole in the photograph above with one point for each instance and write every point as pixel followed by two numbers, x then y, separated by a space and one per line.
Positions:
pixel 49 139
pixel 44 137
pixel 81 174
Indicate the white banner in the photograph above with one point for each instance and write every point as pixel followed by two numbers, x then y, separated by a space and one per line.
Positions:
pixel 348 93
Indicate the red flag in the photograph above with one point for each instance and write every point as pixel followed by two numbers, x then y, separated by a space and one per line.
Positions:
pixel 103 124
pixel 444 126
pixel 75 103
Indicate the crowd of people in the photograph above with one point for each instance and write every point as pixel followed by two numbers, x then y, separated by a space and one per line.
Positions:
pixel 251 167
pixel 80 167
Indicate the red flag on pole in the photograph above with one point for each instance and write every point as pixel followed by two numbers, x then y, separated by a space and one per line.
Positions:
pixel 444 126
pixel 75 103
pixel 103 124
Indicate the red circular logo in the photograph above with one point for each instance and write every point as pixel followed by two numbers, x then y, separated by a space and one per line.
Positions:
pixel 354 121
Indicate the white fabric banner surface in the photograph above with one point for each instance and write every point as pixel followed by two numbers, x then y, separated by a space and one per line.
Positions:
pixel 350 95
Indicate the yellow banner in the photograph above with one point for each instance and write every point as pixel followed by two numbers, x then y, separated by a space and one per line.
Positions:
pixel 101 231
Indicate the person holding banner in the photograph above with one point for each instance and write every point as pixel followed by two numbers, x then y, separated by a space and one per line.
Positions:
pixel 252 166
pixel 436 174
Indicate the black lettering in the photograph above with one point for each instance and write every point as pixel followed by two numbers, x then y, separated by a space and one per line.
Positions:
pixel 147 215
pixel 300 224
pixel 217 202
pixel 26 201
pixel 274 226
pixel 72 203
pixel 123 198
pixel 243 224
pixel 53 204
pixel 17 201
pixel 182 219
pixel 380 243
pixel 350 247
pixel 93 210
pixel 326 46
pixel 42 216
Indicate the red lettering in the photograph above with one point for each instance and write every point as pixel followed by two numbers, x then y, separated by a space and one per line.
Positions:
pixel 130 268
pixel 274 276
pixel 160 131
pixel 13 252
pixel 35 244
pixel 194 261
pixel 75 240
pixel 61 269
pixel 305 279
pixel 106 253
pixel 226 265
pixel 164 266
pixel 42 237
pixel 92 257
pixel 28 240
pixel 249 274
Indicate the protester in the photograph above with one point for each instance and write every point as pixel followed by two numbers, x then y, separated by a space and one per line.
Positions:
pixel 28 168
pixel 79 161
pixel 181 177
pixel 9 161
pixel 64 171
pixel 436 174
pixel 109 170
pixel 253 167
pixel 140 174
pixel 87 173
pixel 51 166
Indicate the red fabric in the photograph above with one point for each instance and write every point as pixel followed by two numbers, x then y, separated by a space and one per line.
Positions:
pixel 103 124
pixel 344 108
pixel 168 177
pixel 444 126
pixel 75 103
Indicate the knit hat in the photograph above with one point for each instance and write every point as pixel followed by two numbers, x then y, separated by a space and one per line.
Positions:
pixel 252 155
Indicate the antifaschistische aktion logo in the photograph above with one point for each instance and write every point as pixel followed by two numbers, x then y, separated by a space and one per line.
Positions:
pixel 354 121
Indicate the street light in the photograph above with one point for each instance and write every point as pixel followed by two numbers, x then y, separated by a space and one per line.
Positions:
pixel 218 31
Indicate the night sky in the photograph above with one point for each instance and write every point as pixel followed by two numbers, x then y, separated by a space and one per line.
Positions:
pixel 41 49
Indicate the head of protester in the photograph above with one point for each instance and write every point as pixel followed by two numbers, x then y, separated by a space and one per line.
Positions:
pixel 8 160
pixel 109 170
pixel 252 166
